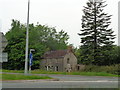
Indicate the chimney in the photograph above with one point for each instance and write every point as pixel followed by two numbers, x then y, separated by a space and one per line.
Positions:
pixel 70 48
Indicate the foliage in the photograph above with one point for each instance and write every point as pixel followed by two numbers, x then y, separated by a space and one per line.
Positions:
pixel 113 69
pixel 97 38
pixel 114 56
pixel 16 46
pixel 41 38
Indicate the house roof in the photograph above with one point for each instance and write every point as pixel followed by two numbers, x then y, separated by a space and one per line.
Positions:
pixel 55 54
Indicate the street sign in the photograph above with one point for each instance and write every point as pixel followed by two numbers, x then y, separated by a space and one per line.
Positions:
pixel 3 57
pixel 31 59
pixel 3 42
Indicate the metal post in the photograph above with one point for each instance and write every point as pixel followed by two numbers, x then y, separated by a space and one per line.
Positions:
pixel 27 41
pixel 29 63
pixel 119 23
pixel 30 69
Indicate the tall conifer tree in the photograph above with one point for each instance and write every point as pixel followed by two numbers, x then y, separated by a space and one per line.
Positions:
pixel 96 36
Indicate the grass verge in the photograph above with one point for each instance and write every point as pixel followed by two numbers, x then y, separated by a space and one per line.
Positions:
pixel 13 71
pixel 22 77
pixel 75 73
pixel 65 73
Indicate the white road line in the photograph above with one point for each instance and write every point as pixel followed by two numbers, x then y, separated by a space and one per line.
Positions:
pixel 86 81
pixel 105 81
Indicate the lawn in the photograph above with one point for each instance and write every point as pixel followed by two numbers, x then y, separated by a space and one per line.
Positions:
pixel 22 77
pixel 13 71
pixel 64 73
pixel 75 73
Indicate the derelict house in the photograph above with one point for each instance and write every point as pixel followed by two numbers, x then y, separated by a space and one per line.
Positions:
pixel 60 60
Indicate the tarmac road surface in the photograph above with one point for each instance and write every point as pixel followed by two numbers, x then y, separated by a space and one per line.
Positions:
pixel 66 81
pixel 62 84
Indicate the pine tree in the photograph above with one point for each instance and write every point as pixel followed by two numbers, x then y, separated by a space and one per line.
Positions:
pixel 96 37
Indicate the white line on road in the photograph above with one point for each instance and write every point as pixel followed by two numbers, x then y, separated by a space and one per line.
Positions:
pixel 105 81
pixel 86 81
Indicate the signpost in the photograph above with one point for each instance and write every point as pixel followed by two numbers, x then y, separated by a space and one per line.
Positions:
pixel 3 44
pixel 31 59
pixel 3 57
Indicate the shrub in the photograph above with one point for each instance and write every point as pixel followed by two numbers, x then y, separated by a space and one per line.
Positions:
pixel 113 69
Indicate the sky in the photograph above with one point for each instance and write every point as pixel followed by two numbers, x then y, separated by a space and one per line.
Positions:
pixel 63 14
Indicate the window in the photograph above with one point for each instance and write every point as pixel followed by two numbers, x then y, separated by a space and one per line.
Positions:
pixel 56 68
pixel 78 67
pixel 49 67
pixel 68 60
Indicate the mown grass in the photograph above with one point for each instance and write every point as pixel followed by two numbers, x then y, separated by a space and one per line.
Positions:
pixel 64 73
pixel 75 73
pixel 13 71
pixel 22 77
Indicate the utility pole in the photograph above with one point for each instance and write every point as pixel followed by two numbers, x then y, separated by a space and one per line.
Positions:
pixel 119 23
pixel 27 41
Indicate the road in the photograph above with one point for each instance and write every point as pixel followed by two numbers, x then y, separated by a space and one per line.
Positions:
pixel 83 78
pixel 62 84
pixel 67 81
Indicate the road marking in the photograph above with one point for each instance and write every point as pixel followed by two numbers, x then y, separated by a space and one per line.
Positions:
pixel 86 81
pixel 105 81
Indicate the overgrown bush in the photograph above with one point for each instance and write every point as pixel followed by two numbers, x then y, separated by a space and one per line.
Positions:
pixel 113 69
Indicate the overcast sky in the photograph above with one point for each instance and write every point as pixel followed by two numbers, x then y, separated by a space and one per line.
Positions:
pixel 62 14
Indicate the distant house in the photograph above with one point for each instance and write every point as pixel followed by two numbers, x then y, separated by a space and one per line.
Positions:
pixel 60 60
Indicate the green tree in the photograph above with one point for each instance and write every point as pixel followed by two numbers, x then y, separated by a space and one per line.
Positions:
pixel 97 38
pixel 49 37
pixel 41 38
pixel 114 55
pixel 16 46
